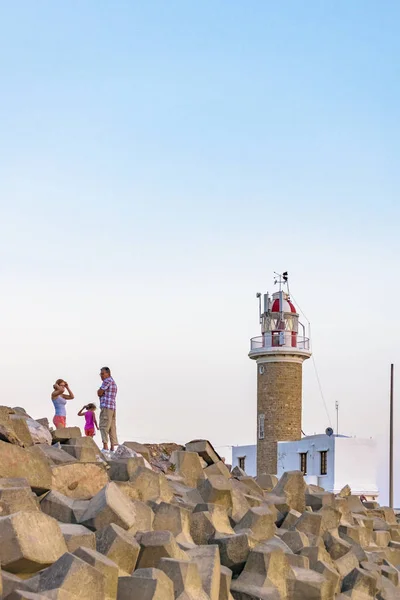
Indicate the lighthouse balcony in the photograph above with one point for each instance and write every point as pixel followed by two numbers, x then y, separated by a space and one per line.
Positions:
pixel 279 341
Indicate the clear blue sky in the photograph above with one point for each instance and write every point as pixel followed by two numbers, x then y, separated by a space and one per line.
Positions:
pixel 158 161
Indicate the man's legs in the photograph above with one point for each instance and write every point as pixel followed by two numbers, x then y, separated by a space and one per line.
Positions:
pixel 104 425
pixel 113 430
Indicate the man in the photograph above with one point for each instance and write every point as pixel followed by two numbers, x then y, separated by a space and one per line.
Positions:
pixel 107 394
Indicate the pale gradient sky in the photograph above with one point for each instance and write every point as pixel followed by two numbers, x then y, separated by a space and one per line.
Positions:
pixel 158 161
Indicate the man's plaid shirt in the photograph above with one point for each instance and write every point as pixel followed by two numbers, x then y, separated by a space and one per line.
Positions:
pixel 110 393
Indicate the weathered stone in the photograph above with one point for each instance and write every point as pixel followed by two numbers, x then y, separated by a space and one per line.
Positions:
pixel 39 434
pixel 234 550
pixel 63 435
pixel 146 584
pixel 261 522
pixel 208 521
pixel 207 559
pixel 155 545
pixel 185 577
pixel 74 576
pixel 151 486
pixel 20 462
pixel 62 508
pixel 203 449
pixel 76 536
pixel 188 466
pixel 169 517
pixel 118 545
pixel 292 486
pixel 79 480
pixel 109 505
pixel 30 541
pixel 105 566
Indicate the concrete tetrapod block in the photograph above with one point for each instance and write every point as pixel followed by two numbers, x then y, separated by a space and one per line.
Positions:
pixel 319 499
pixel 330 575
pixel 76 536
pixel 336 546
pixel 30 541
pixel 296 540
pixel 155 545
pixel 188 466
pixel 144 517
pixel 208 562
pixel 216 490
pixel 124 468
pixel 19 498
pixel 218 468
pixel 347 563
pixel 19 462
pixel 139 448
pixel 185 578
pixel 361 581
pixel 203 449
pixel 79 480
pixel 305 583
pixel 267 482
pixel 118 545
pixel 169 517
pixel 53 454
pixel 292 486
pixel 105 566
pixel 151 485
pixel 110 505
pixel 64 434
pixel 309 523
pixel 73 575
pixel 208 521
pixel 330 518
pixel 260 520
pixel 225 584
pixel 316 554
pixel 82 453
pixel 146 584
pixel 234 550
pixel 265 575
pixel 249 484
pixel 58 594
pixel 62 508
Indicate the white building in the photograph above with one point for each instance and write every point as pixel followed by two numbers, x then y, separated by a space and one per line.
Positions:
pixel 328 461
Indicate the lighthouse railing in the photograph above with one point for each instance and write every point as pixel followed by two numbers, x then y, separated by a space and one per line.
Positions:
pixel 284 339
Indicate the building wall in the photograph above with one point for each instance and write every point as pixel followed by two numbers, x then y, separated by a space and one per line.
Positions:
pixel 351 461
pixel 250 454
pixel 289 458
pixel 279 389
pixel 356 463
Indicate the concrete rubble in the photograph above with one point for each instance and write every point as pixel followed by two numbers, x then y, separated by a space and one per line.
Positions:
pixel 172 522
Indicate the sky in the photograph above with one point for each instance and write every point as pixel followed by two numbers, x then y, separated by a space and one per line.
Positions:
pixel 158 162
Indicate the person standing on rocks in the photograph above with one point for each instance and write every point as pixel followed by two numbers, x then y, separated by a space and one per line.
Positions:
pixel 107 394
pixel 59 398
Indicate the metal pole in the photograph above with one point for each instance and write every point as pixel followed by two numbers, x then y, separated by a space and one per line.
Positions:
pixel 337 417
pixel 391 438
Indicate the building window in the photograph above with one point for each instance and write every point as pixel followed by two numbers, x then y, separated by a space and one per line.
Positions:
pixel 242 462
pixel 324 462
pixel 303 462
pixel 261 427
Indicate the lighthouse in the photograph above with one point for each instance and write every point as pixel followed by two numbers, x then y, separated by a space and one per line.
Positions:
pixel 279 352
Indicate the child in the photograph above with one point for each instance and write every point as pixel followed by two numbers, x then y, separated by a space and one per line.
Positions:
pixel 90 419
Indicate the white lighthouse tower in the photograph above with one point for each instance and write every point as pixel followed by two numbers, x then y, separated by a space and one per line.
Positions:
pixel 279 353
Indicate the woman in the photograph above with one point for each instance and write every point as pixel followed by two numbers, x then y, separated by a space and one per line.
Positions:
pixel 59 398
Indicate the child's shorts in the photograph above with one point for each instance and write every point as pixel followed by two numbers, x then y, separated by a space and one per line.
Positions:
pixel 89 432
